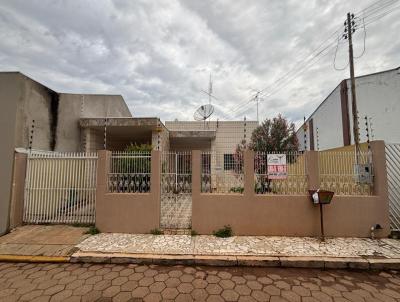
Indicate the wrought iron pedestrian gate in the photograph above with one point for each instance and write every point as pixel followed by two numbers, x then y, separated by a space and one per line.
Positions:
pixel 393 177
pixel 176 190
pixel 60 188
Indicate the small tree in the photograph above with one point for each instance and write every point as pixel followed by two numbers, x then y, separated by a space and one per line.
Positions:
pixel 275 135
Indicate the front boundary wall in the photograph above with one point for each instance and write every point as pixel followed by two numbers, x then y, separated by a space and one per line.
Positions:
pixel 127 212
pixel 294 215
pixel 248 213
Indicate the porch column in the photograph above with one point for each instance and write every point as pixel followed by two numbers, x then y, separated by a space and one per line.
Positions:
pixel 103 165
pixel 155 180
pixel 249 173
pixel 196 173
pixel 312 169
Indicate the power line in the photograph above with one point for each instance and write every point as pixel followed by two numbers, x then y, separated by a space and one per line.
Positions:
pixel 365 37
pixel 334 59
pixel 294 76
pixel 366 13
pixel 378 17
pixel 236 108
pixel 372 11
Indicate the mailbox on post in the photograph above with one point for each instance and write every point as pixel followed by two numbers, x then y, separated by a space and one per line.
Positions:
pixel 321 197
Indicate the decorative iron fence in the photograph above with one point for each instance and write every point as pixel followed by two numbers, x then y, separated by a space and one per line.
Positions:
pixel 280 173
pixel 130 172
pixel 342 172
pixel 176 172
pixel 393 178
pixel 60 188
pixel 222 172
pixel 176 190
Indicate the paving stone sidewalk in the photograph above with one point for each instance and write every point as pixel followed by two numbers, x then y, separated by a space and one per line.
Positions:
pixel 131 282
pixel 42 240
pixel 241 245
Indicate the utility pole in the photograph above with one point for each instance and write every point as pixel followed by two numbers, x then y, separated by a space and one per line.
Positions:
pixel 257 100
pixel 349 30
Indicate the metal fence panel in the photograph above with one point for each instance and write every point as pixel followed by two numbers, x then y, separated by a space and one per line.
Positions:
pixel 337 172
pixel 294 180
pixel 60 188
pixel 222 172
pixel 393 177
pixel 129 172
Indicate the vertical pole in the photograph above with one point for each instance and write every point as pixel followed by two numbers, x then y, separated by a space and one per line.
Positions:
pixel 176 172
pixel 258 121
pixel 30 138
pixel 305 134
pixel 322 222
pixel 105 134
pixel 350 18
pixel 244 130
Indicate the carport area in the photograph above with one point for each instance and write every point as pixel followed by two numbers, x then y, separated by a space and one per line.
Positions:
pixel 191 140
pixel 117 133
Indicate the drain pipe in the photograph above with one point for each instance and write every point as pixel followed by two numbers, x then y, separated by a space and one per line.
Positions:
pixel 374 228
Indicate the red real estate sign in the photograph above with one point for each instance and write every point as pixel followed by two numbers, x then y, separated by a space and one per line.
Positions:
pixel 277 168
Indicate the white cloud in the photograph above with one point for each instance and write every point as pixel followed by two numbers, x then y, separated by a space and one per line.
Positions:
pixel 158 54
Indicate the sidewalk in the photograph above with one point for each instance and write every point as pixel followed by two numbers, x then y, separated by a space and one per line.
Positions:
pixel 358 253
pixel 41 243
pixel 61 243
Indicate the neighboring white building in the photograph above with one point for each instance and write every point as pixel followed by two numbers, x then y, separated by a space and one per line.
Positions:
pixel 378 98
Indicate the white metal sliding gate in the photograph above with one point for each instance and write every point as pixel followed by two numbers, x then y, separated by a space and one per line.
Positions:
pixel 393 177
pixel 60 188
pixel 176 190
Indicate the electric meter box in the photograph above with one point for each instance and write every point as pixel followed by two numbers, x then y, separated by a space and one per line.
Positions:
pixel 363 173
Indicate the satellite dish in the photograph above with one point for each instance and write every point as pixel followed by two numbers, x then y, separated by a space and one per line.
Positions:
pixel 203 112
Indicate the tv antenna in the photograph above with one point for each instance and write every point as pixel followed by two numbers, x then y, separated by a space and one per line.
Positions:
pixel 205 111
pixel 257 99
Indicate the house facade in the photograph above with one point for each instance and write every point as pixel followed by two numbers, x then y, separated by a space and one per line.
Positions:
pixel 36 117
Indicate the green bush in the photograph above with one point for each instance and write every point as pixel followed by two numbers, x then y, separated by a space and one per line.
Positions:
pixel 156 232
pixel 225 232
pixel 193 233
pixel 138 148
pixel 236 189
pixel 139 165
pixel 93 230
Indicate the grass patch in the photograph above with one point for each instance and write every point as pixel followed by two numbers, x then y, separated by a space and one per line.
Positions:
pixel 82 225
pixel 156 232
pixel 93 230
pixel 225 232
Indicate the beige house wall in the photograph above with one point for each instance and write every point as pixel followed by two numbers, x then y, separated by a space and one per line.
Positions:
pixel 228 133
pixel 252 214
pixel 72 107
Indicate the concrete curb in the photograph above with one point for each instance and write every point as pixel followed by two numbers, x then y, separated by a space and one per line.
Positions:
pixel 34 259
pixel 233 260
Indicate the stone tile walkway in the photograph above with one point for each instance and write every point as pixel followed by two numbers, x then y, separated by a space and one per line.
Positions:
pixel 241 245
pixel 42 240
pixel 110 282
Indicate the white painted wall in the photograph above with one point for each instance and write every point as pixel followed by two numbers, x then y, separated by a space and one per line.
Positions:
pixel 378 97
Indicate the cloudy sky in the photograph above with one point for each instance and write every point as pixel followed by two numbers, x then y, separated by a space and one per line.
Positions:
pixel 159 54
